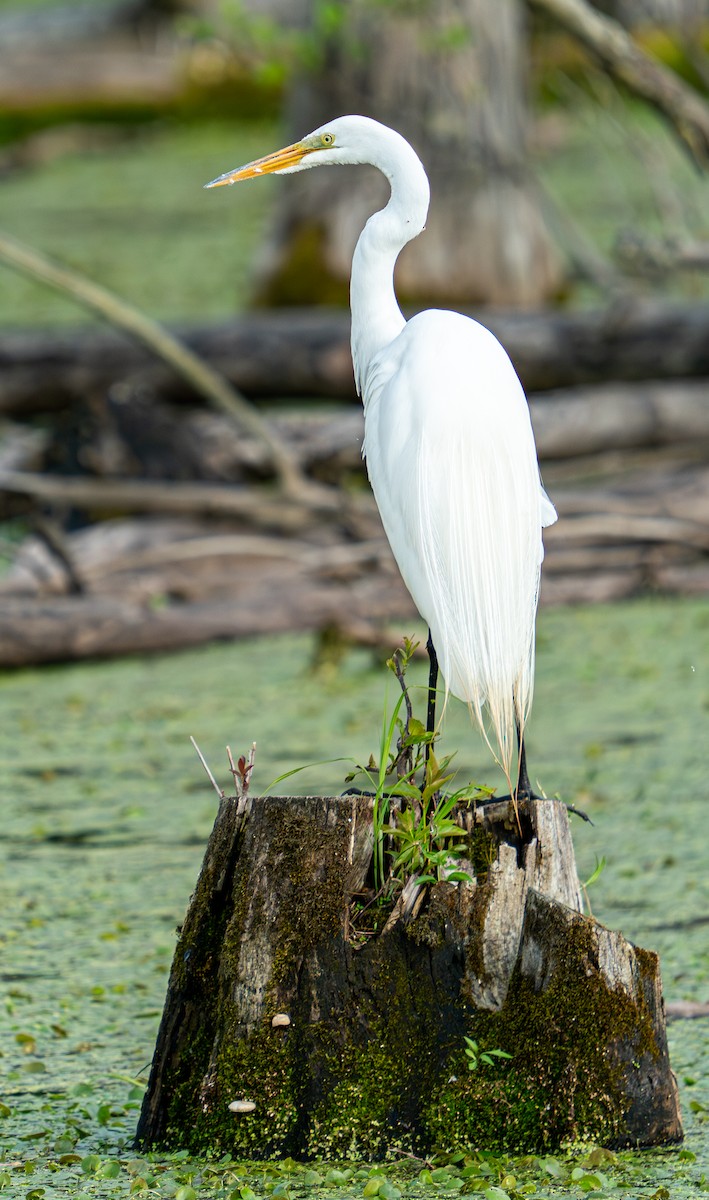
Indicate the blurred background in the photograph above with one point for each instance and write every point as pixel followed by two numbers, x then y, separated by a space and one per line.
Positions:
pixel 569 212
pixel 141 498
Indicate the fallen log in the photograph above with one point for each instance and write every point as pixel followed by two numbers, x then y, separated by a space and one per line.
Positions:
pixel 141 435
pixel 306 352
pixel 255 506
pixel 255 564
pixel 301 1021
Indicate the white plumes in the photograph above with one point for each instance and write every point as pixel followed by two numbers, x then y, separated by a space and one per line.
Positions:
pixel 448 443
pixel 452 462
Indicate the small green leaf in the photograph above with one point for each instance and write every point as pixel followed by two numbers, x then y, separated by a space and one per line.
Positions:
pixel 312 1179
pixel 335 1176
pixel 187 1192
pixel 552 1166
pixel 109 1170
pixel 597 872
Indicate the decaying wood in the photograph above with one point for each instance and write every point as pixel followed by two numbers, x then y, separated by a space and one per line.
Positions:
pixel 655 257
pixel 306 353
pixel 196 373
pixel 156 582
pixel 367 1054
pixel 142 495
pixel 137 433
pixel 242 586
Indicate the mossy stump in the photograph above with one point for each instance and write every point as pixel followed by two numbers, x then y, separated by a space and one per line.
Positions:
pixel 288 1030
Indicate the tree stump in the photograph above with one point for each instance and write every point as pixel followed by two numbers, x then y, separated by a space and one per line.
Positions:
pixel 291 1028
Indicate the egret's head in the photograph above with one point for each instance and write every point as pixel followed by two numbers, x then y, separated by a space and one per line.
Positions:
pixel 344 140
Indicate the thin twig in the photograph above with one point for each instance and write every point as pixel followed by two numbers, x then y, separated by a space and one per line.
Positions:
pixel 405 754
pixel 241 772
pixel 203 761
pixel 235 774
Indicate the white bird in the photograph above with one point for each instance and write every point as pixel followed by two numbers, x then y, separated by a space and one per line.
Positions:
pixel 449 449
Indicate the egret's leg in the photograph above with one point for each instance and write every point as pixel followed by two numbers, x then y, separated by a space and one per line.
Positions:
pixel 524 788
pixel 432 685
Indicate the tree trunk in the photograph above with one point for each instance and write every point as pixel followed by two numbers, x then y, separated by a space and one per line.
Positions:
pixel 298 1023
pixel 452 78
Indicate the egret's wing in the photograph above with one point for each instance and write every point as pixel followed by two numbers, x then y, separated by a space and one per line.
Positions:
pixel 549 513
pixel 455 474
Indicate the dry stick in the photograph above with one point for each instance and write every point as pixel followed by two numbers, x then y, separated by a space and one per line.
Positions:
pixel 203 761
pixel 152 495
pixel 199 374
pixel 642 255
pixel 622 57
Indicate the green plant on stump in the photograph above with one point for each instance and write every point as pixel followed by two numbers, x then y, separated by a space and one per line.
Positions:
pixel 475 1055
pixel 415 836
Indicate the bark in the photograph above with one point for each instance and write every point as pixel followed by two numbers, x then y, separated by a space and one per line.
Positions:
pixel 257 565
pixel 307 353
pixel 198 374
pixel 452 78
pixel 291 1028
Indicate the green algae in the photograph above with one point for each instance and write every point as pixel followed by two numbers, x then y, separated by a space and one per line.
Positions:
pixel 106 813
pixel 132 214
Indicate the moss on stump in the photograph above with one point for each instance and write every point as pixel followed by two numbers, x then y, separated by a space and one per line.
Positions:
pixel 366 1053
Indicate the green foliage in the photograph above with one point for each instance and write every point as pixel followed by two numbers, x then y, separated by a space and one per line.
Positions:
pixel 475 1055
pixel 59 897
pixel 426 838
pixel 271 50
pixel 597 872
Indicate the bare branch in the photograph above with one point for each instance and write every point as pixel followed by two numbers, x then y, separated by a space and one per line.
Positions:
pixel 615 49
pixel 641 255
pixel 147 495
pixel 204 378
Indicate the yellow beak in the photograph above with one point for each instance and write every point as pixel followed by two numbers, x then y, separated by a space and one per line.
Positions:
pixel 290 156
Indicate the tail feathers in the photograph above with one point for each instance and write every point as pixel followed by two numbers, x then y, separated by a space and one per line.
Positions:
pixel 481 551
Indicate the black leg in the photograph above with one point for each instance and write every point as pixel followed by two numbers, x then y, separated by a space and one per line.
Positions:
pixel 432 685
pixel 523 790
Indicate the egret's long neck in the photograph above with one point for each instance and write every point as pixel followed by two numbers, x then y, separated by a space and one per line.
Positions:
pixel 376 316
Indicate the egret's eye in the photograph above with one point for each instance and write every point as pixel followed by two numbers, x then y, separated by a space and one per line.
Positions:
pixel 328 139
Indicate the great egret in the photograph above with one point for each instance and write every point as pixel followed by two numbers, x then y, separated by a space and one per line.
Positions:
pixel 449 449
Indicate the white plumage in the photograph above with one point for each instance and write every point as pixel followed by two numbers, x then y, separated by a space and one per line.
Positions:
pixel 448 445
